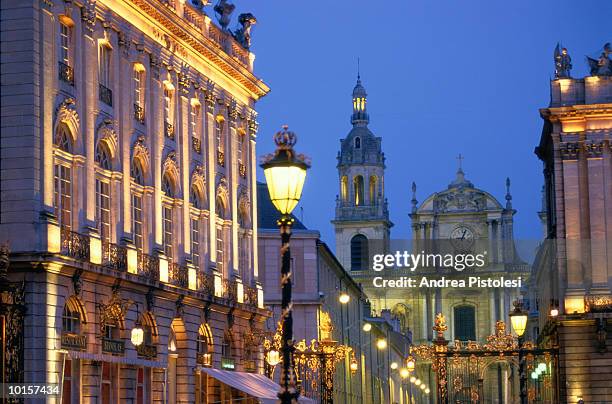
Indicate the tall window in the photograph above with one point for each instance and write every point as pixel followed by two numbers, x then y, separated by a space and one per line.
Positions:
pixel 465 323
pixel 194 119
pixel 372 189
pixel 167 234
pixel 103 217
pixel 65 43
pixel 219 133
pixel 139 92
pixel 357 143
pixel 71 319
pixel 137 221
pixel 220 249
pixel 104 68
pixel 358 185
pixel 169 104
pixel 195 242
pixel 203 346
pixel 63 195
pixel 344 188
pixel 359 253
pixel 108 384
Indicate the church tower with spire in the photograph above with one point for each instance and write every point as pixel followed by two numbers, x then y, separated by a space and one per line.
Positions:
pixel 362 222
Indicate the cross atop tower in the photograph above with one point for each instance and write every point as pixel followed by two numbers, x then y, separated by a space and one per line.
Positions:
pixel 460 159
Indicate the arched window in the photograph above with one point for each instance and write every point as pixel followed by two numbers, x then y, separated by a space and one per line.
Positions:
pixel 168 186
pixel 136 172
pixel 204 346
pixel 71 317
pixel 372 189
pixel 344 188
pixel 358 143
pixel 64 138
pixel 102 157
pixel 465 323
pixel 358 185
pixel 359 253
pixel 104 68
pixel 195 197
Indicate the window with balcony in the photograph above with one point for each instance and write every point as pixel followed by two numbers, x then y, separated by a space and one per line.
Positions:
pixel 66 71
pixel 194 125
pixel 169 110
pixel 195 242
pixel 139 93
pixel 104 74
pixel 465 323
pixel 103 210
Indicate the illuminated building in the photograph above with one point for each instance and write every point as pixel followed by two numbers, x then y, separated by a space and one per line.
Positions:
pixel 128 177
pixel 574 266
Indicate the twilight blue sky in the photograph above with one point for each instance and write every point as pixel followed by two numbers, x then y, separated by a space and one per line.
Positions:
pixel 443 77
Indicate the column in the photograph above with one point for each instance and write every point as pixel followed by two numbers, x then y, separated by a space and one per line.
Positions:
pixel 491 255
pixel 89 96
pixel 123 111
pixel 156 133
pixel 184 141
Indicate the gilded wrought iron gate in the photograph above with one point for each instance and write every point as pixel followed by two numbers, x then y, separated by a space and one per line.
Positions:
pixel 490 372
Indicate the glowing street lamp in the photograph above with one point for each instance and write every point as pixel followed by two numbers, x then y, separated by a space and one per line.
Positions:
pixel 367 327
pixel 354 366
pixel 137 335
pixel 404 373
pixel 394 365
pixel 381 343
pixel 273 357
pixel 344 298
pixel 410 364
pixel 285 173
pixel 518 318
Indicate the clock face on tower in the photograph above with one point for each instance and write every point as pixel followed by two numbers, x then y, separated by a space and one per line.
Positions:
pixel 462 238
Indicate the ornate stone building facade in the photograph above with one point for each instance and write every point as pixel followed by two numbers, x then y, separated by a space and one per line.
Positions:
pixel 574 269
pixel 128 177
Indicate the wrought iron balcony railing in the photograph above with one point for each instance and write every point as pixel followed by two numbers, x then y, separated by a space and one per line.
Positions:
pixel 74 245
pixel 197 145
pixel 206 283
pixel 177 275
pixel 169 130
pixel 66 73
pixel 114 256
pixel 250 296
pixel 106 94
pixel 148 266
pixel 139 113
pixel 230 290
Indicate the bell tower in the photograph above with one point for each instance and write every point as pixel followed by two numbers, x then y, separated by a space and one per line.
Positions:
pixel 362 218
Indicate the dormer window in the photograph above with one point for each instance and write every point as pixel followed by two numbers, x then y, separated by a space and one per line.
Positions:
pixel 357 143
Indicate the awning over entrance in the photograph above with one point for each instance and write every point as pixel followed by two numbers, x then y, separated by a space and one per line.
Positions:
pixel 256 385
pixel 114 359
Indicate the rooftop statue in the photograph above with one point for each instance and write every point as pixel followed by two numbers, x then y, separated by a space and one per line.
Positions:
pixel 603 65
pixel 563 63
pixel 243 34
pixel 224 10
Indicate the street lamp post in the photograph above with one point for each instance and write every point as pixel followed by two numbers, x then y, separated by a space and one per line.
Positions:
pixel 285 173
pixel 518 318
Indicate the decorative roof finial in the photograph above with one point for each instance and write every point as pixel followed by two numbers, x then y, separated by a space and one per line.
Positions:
pixel 414 200
pixel 358 72
pixel 563 62
pixel 243 34
pixel 508 195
